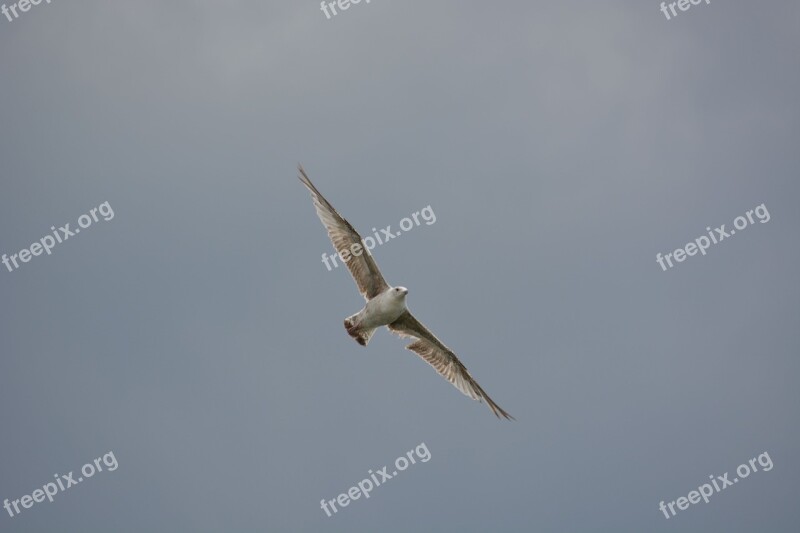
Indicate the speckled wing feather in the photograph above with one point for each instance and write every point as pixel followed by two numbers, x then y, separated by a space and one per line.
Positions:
pixel 362 267
pixel 440 357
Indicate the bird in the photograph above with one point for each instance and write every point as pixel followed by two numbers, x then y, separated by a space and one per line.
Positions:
pixel 386 305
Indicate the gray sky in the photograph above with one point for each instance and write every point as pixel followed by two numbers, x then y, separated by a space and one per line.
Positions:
pixel 562 145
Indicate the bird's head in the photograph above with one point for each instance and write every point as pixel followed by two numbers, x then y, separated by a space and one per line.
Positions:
pixel 399 292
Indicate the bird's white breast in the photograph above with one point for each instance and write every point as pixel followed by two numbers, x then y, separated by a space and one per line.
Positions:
pixel 383 309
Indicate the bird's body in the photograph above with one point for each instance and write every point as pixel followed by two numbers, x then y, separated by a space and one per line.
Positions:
pixel 380 310
pixel 386 305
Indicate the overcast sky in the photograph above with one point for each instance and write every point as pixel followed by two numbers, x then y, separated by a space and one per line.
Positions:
pixel 198 335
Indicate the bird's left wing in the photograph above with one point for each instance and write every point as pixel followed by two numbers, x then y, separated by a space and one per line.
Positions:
pixel 440 357
pixel 362 267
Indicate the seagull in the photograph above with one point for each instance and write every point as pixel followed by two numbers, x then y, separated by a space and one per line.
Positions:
pixel 386 305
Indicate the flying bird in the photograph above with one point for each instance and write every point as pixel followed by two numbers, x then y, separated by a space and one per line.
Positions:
pixel 386 305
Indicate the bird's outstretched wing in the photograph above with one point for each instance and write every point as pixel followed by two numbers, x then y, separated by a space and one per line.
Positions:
pixel 440 357
pixel 362 267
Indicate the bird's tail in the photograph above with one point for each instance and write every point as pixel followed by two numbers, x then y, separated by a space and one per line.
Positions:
pixel 362 336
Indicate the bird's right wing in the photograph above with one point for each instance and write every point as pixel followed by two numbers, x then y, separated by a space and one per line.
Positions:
pixel 441 358
pixel 362 267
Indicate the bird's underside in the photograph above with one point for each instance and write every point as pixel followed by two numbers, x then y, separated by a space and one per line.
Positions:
pixel 386 304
